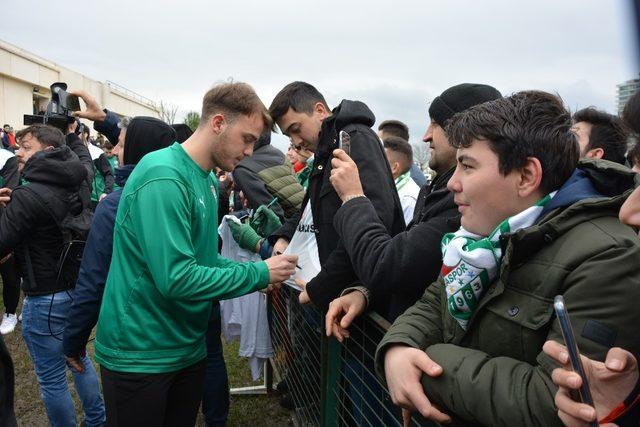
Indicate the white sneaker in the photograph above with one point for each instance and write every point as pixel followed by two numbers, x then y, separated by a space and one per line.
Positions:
pixel 9 322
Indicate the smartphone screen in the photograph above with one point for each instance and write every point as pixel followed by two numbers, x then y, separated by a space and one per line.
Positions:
pixel 572 348
pixel 344 142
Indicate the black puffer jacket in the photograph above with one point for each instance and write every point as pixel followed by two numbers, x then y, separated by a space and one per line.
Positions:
pixel 367 152
pixel 399 268
pixel 27 225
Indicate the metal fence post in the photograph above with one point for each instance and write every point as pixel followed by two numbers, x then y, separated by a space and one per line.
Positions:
pixel 331 376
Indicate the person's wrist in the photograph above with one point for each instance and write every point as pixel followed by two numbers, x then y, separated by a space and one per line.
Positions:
pixel 352 196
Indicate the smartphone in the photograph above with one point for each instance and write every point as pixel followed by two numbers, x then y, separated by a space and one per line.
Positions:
pixel 344 142
pixel 572 348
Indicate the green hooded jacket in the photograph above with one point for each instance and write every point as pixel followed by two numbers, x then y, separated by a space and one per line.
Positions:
pixel 495 372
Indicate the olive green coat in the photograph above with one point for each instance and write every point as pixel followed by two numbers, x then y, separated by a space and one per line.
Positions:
pixel 495 372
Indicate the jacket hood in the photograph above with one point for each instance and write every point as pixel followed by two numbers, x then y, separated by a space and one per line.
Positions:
pixel 265 139
pixel 144 135
pixel 59 166
pixel 351 112
pixel 597 188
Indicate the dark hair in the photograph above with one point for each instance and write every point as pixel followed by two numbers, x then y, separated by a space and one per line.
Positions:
pixel 183 132
pixel 108 145
pixel 633 156
pixel 395 128
pixel 607 132
pixel 46 135
pixel 299 96
pixel 525 124
pixel 400 146
pixel 5 126
pixel 631 112
pixel 233 99
pixel 86 129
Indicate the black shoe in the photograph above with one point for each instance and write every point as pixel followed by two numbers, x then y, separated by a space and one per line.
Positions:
pixel 282 387
pixel 286 401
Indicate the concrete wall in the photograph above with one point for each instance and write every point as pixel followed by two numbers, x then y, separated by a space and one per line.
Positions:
pixel 25 77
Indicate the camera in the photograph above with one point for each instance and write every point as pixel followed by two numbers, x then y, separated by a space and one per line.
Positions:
pixel 60 109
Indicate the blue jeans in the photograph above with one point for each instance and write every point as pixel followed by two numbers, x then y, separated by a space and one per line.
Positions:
pixel 215 399
pixel 43 320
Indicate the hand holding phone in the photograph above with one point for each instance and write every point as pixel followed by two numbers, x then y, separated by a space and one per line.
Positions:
pixel 572 348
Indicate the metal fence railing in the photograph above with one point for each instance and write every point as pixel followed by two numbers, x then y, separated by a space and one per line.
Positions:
pixel 332 384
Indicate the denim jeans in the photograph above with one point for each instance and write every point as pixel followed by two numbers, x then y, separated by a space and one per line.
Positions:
pixel 43 319
pixel 215 399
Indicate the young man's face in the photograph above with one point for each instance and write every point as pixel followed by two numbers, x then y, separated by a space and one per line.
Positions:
pixel 236 141
pixel 303 129
pixel 28 147
pixel 484 196
pixel 7 128
pixel 443 155
pixel 108 152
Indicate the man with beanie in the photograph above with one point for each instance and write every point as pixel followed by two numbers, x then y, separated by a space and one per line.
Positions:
pixel 399 267
pixel 143 135
pixel 165 272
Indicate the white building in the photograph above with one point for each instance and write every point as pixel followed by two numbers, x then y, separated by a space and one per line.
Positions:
pixel 24 88
pixel 625 91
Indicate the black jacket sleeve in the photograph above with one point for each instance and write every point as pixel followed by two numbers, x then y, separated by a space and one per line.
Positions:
pixel 109 127
pixel 10 174
pixel 17 220
pixel 78 147
pixel 254 190
pixel 405 263
pixel 105 170
pixel 337 272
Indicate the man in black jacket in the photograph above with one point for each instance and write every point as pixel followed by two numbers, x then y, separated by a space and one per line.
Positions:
pixel 52 175
pixel 302 114
pixel 404 264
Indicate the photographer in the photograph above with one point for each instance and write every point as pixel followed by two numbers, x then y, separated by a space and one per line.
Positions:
pixel 52 176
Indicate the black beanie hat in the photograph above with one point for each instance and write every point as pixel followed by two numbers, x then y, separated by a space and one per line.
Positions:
pixel 458 98
pixel 144 135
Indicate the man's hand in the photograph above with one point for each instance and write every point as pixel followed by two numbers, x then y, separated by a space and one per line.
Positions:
pixel 5 196
pixel 76 363
pixel 303 298
pixel 610 383
pixel 344 175
pixel 341 313
pixel 245 236
pixel 403 369
pixel 265 221
pixel 94 111
pixel 280 246
pixel 281 267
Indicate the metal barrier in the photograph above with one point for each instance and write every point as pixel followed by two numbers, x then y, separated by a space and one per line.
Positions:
pixel 331 384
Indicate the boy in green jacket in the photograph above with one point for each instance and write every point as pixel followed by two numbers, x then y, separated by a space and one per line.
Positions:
pixel 536 223
pixel 165 271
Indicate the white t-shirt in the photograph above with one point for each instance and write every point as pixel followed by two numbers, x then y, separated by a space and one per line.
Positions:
pixel 304 244
pixel 408 195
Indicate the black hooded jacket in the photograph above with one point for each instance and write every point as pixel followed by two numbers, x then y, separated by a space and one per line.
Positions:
pixel 337 273
pixel 53 178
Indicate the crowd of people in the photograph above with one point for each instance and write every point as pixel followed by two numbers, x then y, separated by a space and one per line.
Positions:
pixel 526 202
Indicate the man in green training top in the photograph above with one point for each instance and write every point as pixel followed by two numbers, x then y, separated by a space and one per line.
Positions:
pixel 165 271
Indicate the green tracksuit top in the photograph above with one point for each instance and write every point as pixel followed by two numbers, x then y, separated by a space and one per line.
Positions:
pixel 165 270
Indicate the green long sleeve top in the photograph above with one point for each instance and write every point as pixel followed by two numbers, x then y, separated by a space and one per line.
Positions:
pixel 165 270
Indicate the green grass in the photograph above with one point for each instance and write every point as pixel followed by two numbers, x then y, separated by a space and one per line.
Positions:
pixel 244 411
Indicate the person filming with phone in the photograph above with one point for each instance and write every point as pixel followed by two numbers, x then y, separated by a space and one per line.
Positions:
pixel 535 223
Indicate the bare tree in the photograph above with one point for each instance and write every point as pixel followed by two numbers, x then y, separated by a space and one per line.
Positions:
pixel 167 112
pixel 420 153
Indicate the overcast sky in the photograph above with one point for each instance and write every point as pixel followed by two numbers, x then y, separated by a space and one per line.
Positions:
pixel 394 56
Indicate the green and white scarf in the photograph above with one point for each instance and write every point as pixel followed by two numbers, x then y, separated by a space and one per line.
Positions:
pixel 402 180
pixel 472 262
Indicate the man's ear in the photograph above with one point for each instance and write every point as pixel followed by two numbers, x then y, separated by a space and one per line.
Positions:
pixel 321 109
pixel 530 177
pixel 595 153
pixel 49 147
pixel 217 123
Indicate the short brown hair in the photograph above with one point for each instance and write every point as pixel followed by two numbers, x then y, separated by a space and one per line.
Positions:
pixel 402 147
pixel 46 135
pixel 233 99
